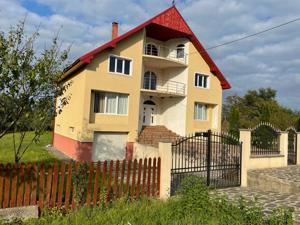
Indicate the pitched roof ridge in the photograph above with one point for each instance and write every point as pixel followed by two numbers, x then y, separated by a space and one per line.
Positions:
pixel 86 58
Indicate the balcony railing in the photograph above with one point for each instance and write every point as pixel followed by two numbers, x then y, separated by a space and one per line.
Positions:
pixel 165 86
pixel 161 51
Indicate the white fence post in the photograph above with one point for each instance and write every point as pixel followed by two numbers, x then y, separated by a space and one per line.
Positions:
pixel 284 143
pixel 165 153
pixel 298 148
pixel 245 138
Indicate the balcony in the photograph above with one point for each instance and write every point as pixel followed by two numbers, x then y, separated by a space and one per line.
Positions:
pixel 159 56
pixel 163 88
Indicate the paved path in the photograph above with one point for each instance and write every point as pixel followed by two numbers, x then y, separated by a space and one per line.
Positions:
pixel 268 200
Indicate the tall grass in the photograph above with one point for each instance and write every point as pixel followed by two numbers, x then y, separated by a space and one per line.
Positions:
pixel 193 205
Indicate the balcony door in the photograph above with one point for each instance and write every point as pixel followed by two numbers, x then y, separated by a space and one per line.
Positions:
pixel 149 111
pixel 150 80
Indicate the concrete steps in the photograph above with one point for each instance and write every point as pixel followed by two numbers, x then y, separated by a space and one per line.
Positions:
pixel 280 180
pixel 152 135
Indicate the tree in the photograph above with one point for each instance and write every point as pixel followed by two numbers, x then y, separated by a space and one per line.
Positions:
pixel 258 106
pixel 234 121
pixel 29 84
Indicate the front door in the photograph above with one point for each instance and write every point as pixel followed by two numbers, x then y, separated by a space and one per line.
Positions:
pixel 149 111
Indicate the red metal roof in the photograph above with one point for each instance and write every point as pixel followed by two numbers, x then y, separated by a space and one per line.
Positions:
pixel 170 24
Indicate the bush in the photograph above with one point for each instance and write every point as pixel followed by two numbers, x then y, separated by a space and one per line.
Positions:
pixel 194 204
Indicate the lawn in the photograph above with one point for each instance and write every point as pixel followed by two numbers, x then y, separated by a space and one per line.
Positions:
pixel 35 153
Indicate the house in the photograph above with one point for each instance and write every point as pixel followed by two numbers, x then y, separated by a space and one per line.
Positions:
pixel 156 82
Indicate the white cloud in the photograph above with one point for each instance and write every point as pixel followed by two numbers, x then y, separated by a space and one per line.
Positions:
pixel 271 59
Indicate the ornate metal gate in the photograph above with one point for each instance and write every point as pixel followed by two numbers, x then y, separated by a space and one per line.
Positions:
pixel 292 146
pixel 214 157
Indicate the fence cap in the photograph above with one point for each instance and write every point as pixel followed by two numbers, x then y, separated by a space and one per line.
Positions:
pixel 291 129
pixel 267 124
pixel 244 129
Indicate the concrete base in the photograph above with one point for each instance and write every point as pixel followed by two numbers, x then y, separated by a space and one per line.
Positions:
pixel 27 212
pixel 280 180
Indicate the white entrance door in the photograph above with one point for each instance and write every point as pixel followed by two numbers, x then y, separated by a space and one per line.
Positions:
pixel 149 111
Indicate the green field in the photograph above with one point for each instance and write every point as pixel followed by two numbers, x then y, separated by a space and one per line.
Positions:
pixel 35 153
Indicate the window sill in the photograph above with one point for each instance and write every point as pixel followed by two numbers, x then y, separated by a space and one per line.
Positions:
pixel 197 120
pixel 205 88
pixel 120 74
pixel 110 114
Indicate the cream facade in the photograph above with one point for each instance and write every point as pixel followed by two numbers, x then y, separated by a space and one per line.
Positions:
pixel 156 87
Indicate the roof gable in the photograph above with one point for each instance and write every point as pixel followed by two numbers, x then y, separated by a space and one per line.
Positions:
pixel 171 19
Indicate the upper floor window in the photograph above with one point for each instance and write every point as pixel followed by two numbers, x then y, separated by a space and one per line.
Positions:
pixel 201 80
pixel 119 65
pixel 151 49
pixel 200 111
pixel 180 51
pixel 110 103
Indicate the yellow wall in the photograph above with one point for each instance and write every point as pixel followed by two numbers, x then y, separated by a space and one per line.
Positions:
pixel 72 113
pixel 95 76
pixel 211 96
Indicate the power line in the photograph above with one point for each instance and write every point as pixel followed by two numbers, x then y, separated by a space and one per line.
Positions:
pixel 251 35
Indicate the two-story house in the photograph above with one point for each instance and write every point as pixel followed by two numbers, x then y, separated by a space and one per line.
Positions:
pixel 153 83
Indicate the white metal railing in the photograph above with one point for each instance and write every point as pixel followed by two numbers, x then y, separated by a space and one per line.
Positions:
pixel 162 51
pixel 167 86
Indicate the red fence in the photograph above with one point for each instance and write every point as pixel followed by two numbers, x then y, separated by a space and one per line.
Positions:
pixel 98 183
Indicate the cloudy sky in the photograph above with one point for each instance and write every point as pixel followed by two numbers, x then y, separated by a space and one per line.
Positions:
pixel 269 60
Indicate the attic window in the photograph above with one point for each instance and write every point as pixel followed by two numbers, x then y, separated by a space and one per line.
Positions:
pixel 119 65
pixel 180 51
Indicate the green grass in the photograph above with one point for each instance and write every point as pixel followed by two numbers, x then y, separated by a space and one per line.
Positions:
pixel 194 205
pixel 35 153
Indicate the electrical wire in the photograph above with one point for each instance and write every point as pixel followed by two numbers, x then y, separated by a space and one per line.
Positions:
pixel 249 36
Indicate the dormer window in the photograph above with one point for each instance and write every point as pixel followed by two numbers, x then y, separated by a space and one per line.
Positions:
pixel 180 51
pixel 151 49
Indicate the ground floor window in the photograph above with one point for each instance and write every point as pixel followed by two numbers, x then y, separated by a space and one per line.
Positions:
pixel 200 111
pixel 110 103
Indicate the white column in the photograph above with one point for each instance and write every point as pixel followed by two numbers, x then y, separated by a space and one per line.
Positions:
pixel 165 153
pixel 245 138
pixel 298 148
pixel 284 143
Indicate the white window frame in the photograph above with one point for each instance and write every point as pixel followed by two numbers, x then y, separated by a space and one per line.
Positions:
pixel 156 46
pixel 203 105
pixel 123 65
pixel 182 47
pixel 204 75
pixel 117 103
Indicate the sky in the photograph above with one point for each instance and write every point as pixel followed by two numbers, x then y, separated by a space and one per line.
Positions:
pixel 268 60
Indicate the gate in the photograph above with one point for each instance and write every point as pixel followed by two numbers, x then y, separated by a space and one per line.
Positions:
pixel 292 146
pixel 214 157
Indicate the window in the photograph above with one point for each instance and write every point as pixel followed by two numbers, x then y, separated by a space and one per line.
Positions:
pixel 119 65
pixel 151 49
pixel 180 51
pixel 200 112
pixel 110 103
pixel 201 80
pixel 150 80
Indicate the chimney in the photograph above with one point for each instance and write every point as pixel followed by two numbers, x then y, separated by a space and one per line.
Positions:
pixel 115 28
